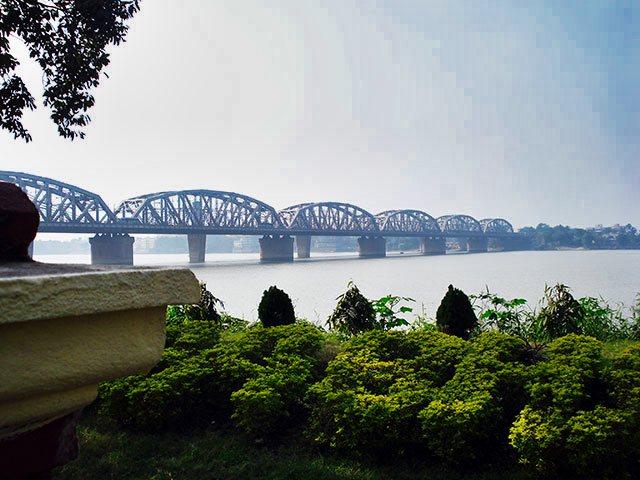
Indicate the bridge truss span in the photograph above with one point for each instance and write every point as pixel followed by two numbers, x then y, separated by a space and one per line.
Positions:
pixel 459 224
pixel 496 226
pixel 63 207
pixel 407 223
pixel 202 211
pixel 329 218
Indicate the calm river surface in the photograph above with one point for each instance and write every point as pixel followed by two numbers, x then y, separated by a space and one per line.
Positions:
pixel 314 284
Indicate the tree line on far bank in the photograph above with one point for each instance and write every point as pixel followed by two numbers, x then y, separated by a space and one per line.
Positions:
pixel 546 237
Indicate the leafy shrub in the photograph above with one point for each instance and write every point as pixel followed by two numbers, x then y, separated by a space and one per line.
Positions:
pixel 273 399
pixel 170 398
pixel 560 314
pixel 580 422
pixel 275 308
pixel 373 390
pixel 511 317
pixel 386 314
pixel 199 373
pixel 469 418
pixel 205 309
pixel 353 313
pixel 455 314
pixel 634 323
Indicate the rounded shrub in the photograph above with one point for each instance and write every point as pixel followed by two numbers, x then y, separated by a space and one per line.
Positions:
pixel 455 315
pixel 469 418
pixel 275 308
pixel 582 420
pixel 373 390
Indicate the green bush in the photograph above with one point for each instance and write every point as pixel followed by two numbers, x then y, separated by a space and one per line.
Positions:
pixel 205 309
pixel 469 418
pixel 373 390
pixel 561 314
pixel 455 315
pixel 583 419
pixel 273 399
pixel 275 308
pixel 168 399
pixel 512 317
pixel 202 368
pixel 353 314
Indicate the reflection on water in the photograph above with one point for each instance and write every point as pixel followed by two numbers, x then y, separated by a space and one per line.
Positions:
pixel 313 284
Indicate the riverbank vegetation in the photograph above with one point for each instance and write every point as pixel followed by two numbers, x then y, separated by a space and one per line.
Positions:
pixel 546 237
pixel 510 392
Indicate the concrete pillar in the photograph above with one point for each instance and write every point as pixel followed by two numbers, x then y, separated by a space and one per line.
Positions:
pixel 477 245
pixel 197 247
pixel 303 245
pixel 432 246
pixel 112 249
pixel 276 248
pixel 372 247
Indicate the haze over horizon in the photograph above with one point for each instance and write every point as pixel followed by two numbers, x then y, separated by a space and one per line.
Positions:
pixel 527 112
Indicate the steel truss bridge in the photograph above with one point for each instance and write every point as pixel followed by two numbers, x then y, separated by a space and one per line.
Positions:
pixel 66 208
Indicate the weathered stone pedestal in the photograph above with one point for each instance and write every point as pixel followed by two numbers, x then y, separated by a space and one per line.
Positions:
pixel 433 246
pixel 197 247
pixel 112 249
pixel 276 249
pixel 63 330
pixel 303 245
pixel 372 247
pixel 477 245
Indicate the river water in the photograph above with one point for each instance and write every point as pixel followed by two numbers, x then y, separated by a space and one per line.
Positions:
pixel 314 284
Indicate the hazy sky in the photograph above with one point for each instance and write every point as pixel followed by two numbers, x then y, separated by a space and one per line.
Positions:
pixel 518 109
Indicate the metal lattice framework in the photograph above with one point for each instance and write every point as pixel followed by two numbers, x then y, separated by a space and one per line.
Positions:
pixel 407 221
pixel 62 207
pixel 496 225
pixel 329 217
pixel 459 224
pixel 199 210
pixel 67 208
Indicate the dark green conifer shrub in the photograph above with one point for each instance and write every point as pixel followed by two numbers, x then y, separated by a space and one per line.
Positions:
pixel 455 315
pixel 353 314
pixel 275 308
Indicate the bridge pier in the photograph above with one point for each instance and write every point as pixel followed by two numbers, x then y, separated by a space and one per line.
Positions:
pixel 477 245
pixel 303 245
pixel 432 246
pixel 112 249
pixel 197 247
pixel 372 247
pixel 276 248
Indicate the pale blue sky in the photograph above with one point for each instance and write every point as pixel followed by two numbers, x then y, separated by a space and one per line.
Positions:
pixel 526 110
